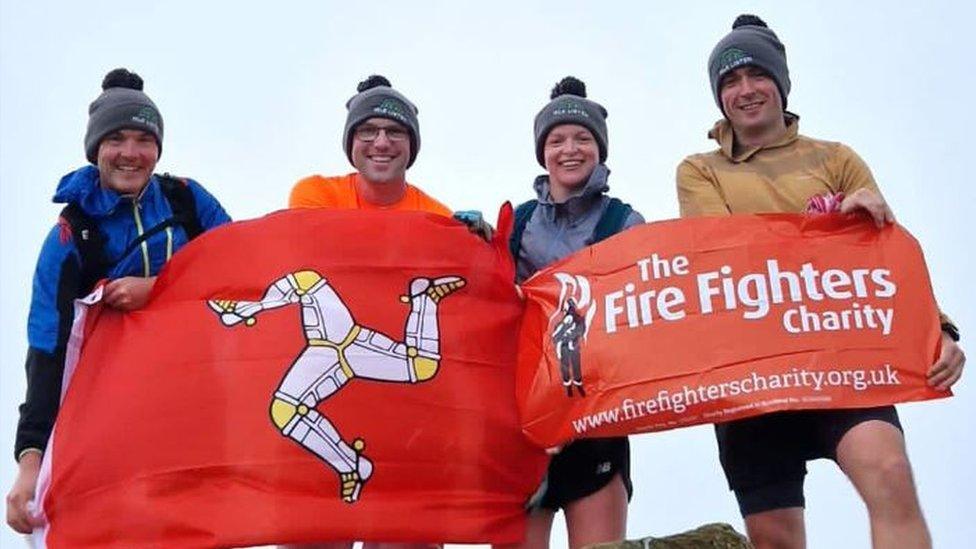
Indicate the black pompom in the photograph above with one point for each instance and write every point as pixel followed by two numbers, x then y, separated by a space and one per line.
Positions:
pixel 372 82
pixel 748 19
pixel 122 78
pixel 569 86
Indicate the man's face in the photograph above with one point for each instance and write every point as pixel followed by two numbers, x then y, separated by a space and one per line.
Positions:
pixel 571 153
pixel 750 99
pixel 381 150
pixel 126 160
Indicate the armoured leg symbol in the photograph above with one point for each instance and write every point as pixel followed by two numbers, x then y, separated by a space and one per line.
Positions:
pixel 351 484
pixel 422 335
pixel 331 359
pixel 232 312
pixel 316 375
pixel 313 431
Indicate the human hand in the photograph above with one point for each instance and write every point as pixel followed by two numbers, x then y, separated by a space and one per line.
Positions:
pixel 476 223
pixel 948 368
pixel 19 515
pixel 872 203
pixel 128 293
pixel 824 203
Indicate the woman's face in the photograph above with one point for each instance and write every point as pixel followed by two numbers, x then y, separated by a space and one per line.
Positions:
pixel 571 152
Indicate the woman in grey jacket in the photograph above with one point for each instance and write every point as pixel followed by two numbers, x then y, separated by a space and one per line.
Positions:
pixel 590 478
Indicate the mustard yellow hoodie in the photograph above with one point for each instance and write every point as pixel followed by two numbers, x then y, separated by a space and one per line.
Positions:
pixel 776 178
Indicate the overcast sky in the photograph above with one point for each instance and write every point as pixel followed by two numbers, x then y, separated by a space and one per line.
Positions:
pixel 253 97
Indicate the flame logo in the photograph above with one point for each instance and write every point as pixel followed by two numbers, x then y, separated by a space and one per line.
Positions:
pixel 574 289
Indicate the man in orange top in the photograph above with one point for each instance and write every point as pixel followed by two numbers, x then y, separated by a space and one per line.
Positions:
pixel 381 139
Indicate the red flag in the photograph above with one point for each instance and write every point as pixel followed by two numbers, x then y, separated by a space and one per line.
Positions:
pixel 312 375
pixel 712 319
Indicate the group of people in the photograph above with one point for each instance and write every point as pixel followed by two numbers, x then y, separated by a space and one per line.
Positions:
pixel 122 222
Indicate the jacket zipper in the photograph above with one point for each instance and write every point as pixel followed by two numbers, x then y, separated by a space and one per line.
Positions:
pixel 143 245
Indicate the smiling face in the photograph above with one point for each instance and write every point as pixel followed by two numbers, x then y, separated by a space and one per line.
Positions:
pixel 571 153
pixel 751 101
pixel 126 160
pixel 381 150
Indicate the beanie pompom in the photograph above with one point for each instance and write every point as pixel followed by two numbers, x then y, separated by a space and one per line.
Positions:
pixel 122 78
pixel 748 19
pixel 569 86
pixel 373 81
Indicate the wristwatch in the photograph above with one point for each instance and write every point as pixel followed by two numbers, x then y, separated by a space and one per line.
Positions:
pixel 951 330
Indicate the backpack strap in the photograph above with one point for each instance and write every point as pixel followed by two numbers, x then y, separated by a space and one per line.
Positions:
pixel 184 208
pixel 522 215
pixel 90 243
pixel 180 197
pixel 612 221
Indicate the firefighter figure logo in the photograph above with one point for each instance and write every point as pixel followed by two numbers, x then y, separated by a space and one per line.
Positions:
pixel 338 350
pixel 568 327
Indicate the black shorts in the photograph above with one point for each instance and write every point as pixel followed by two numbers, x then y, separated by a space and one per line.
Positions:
pixel 582 468
pixel 764 458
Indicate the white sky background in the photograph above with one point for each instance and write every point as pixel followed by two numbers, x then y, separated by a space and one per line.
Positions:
pixel 253 99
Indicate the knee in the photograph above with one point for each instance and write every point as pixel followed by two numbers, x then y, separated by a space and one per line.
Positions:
pixel 305 280
pixel 890 474
pixel 893 490
pixel 283 412
pixel 423 367
pixel 772 537
pixel 895 471
pixel 780 529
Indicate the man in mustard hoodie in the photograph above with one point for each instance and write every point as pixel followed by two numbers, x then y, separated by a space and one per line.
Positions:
pixel 764 165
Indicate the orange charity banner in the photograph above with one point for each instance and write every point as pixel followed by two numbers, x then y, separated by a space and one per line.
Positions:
pixel 312 375
pixel 709 320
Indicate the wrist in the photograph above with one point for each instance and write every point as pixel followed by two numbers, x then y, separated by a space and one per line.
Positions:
pixel 950 330
pixel 30 458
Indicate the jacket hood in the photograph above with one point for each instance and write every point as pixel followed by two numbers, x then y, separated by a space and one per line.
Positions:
pixel 83 187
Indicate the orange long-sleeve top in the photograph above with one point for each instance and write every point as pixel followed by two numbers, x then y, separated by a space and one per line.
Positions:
pixel 339 192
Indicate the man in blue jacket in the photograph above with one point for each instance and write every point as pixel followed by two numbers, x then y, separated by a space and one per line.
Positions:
pixel 129 223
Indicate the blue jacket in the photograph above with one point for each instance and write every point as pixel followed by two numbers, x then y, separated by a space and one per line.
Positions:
pixel 56 279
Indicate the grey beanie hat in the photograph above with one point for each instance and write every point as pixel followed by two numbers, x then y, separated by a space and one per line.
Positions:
pixel 569 105
pixel 378 99
pixel 121 106
pixel 751 42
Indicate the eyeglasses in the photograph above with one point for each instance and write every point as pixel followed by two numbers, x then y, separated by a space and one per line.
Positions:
pixel 369 133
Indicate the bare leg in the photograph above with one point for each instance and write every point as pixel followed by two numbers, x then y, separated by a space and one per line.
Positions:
pixel 777 529
pixel 538 526
pixel 598 517
pixel 872 454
